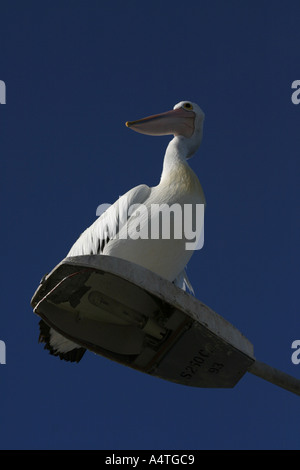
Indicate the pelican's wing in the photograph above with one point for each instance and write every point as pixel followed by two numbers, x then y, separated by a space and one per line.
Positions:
pixel 94 239
pixel 92 242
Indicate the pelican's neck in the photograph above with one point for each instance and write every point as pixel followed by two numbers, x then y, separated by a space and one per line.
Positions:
pixel 176 155
pixel 178 181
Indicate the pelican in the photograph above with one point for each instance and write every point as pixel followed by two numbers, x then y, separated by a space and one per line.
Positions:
pixel 178 185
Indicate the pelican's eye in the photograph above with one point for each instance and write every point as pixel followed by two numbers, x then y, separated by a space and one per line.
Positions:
pixel 188 106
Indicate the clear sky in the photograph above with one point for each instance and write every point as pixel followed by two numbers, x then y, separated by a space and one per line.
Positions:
pixel 74 73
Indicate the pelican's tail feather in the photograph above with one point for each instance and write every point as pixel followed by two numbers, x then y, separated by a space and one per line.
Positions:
pixel 183 282
pixel 58 345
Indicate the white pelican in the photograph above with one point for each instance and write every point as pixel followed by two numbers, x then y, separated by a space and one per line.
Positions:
pixel 178 185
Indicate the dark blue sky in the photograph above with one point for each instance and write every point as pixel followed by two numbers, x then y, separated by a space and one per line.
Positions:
pixel 74 73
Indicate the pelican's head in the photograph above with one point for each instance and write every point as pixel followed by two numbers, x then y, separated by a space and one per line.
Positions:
pixel 185 121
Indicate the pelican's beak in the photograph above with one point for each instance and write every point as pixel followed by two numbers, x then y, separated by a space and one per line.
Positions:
pixel 177 122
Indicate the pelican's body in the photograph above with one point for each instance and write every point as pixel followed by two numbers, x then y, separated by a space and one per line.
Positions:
pixel 178 185
pixel 165 257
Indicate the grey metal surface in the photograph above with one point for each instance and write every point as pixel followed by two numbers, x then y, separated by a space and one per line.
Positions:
pixel 129 314
pixel 275 376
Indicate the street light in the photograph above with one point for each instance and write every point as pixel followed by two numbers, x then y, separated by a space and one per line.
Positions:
pixel 128 314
